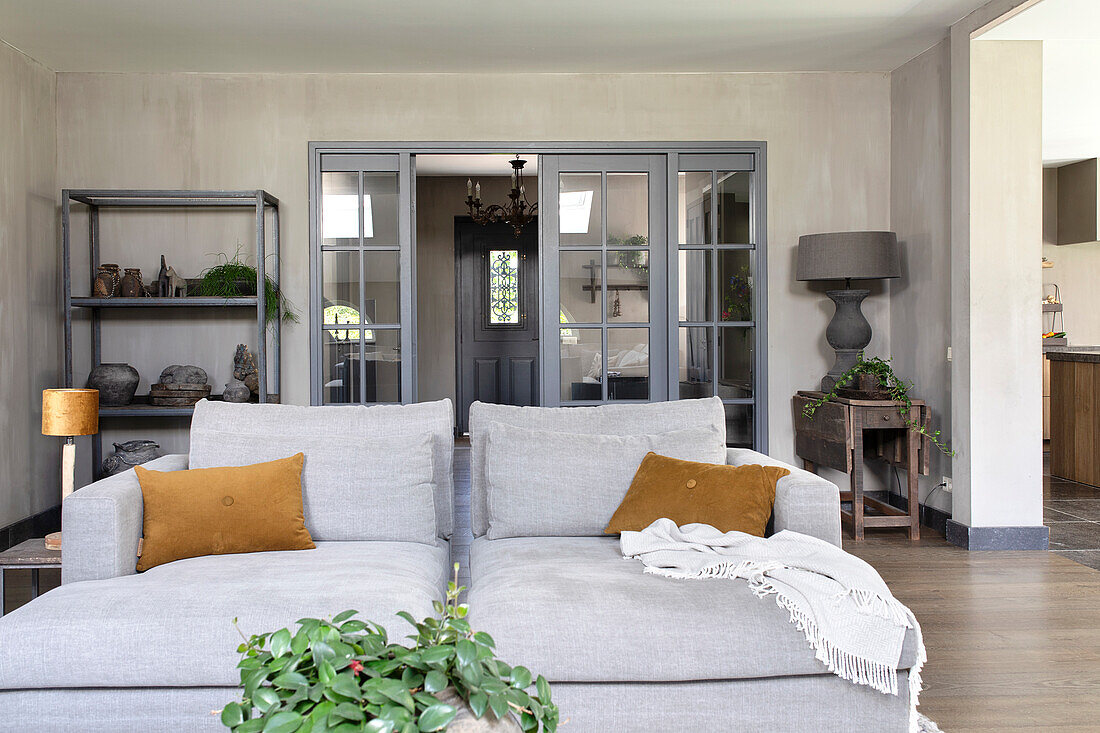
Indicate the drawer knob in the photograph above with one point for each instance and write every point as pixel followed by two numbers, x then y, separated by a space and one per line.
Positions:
pixel 886 418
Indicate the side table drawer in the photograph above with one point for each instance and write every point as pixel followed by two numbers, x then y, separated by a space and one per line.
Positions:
pixel 882 417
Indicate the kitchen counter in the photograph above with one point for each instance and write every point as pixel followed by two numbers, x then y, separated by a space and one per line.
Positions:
pixel 1075 415
pixel 1076 353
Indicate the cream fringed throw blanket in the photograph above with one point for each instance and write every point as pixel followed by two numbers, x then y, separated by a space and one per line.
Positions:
pixel 838 601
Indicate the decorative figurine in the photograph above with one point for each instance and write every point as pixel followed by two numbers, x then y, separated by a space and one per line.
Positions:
pixel 244 369
pixel 129 454
pixel 236 391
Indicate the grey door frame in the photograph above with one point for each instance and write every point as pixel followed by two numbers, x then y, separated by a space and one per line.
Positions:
pixel 671 149
pixel 553 164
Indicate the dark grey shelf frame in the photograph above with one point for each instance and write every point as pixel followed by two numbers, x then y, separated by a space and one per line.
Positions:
pixel 258 200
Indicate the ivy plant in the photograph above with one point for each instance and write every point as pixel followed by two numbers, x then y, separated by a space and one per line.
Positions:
pixel 344 675
pixel 897 389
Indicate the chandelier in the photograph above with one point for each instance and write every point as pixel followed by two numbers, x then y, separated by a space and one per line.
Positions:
pixel 518 212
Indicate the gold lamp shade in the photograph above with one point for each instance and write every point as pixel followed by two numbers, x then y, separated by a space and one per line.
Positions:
pixel 69 412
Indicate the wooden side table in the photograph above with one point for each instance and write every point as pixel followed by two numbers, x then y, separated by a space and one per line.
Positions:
pixel 839 435
pixel 30 555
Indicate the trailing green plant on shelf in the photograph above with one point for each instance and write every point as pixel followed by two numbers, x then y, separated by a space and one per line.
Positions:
pixel 345 676
pixel 234 278
pixel 896 389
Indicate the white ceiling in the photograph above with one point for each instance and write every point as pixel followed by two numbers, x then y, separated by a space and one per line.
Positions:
pixel 483 165
pixel 1070 32
pixel 493 36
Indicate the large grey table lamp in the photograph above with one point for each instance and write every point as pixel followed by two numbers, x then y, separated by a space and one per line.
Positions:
pixel 847 256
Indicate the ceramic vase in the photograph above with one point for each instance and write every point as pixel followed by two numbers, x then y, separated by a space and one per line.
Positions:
pixel 116 383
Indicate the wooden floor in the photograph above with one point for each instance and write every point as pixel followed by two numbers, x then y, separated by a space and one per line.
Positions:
pixel 1013 638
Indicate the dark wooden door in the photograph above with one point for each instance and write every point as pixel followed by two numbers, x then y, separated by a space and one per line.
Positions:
pixel 496 301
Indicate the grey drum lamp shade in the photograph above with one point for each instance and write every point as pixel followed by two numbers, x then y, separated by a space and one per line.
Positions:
pixel 848 255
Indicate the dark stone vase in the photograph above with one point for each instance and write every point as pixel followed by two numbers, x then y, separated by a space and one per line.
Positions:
pixel 848 333
pixel 116 383
pixel 129 454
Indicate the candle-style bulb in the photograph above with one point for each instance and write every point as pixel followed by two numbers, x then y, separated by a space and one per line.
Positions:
pixel 469 187
pixel 477 190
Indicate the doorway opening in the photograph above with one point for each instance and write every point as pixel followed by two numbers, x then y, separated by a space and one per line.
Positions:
pixel 477 285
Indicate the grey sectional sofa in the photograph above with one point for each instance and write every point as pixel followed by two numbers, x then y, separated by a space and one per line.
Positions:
pixel 626 651
pixel 111 650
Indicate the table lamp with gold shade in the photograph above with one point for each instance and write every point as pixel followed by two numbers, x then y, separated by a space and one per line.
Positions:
pixel 68 413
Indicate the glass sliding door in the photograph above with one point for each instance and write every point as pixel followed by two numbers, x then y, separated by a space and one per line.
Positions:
pixel 718 290
pixel 362 280
pixel 604 270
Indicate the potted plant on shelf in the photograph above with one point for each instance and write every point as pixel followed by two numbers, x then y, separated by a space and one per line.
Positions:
pixel 345 675
pixel 233 278
pixel 875 379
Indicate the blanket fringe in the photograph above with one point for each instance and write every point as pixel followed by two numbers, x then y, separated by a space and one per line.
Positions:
pixel 883 678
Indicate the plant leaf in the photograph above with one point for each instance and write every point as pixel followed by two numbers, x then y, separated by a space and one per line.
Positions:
pixel 466 651
pixel 283 722
pixel 437 717
pixel 521 678
pixel 343 616
pixel 280 642
pixel 265 698
pixel 435 681
pixel 351 712
pixel 232 715
pixel 478 702
pixel 345 684
pixel 543 689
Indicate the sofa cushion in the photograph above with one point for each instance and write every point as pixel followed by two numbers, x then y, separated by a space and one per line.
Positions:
pixel 731 498
pixel 221 511
pixel 173 625
pixel 625 419
pixel 572 609
pixel 367 488
pixel 283 427
pixel 543 483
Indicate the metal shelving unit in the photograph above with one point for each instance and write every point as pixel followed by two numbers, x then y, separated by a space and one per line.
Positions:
pixel 258 201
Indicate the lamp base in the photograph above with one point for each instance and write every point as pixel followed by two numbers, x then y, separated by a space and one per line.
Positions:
pixel 53 541
pixel 848 333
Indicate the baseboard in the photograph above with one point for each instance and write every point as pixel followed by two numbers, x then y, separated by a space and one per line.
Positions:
pixel 39 525
pixel 931 517
pixel 998 538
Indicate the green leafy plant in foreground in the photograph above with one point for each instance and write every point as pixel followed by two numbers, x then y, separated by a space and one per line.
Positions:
pixel 897 389
pixel 344 676
pixel 233 278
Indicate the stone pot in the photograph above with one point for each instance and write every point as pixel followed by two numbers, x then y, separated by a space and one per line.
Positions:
pixel 116 383
pixel 236 391
pixel 129 454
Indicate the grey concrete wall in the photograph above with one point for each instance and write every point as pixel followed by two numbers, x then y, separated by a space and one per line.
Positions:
pixel 30 312
pixel 920 300
pixel 827 134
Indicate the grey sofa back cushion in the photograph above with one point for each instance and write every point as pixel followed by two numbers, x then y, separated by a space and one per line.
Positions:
pixel 352 490
pixel 634 419
pixel 284 427
pixel 547 484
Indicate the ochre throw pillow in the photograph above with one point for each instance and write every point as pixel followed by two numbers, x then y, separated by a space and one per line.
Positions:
pixel 218 511
pixel 725 497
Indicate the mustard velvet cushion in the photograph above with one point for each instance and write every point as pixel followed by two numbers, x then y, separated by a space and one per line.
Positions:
pixel 726 497
pixel 218 511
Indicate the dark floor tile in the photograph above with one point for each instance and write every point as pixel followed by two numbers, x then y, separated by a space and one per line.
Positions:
pixel 1063 490
pixel 1075 536
pixel 1081 508
pixel 1053 514
pixel 1091 558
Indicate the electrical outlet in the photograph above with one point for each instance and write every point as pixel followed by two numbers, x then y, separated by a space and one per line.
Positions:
pixel 947 484
pixel 949 353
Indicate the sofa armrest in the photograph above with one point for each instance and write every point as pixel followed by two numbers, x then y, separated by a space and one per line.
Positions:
pixel 102 524
pixel 804 502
